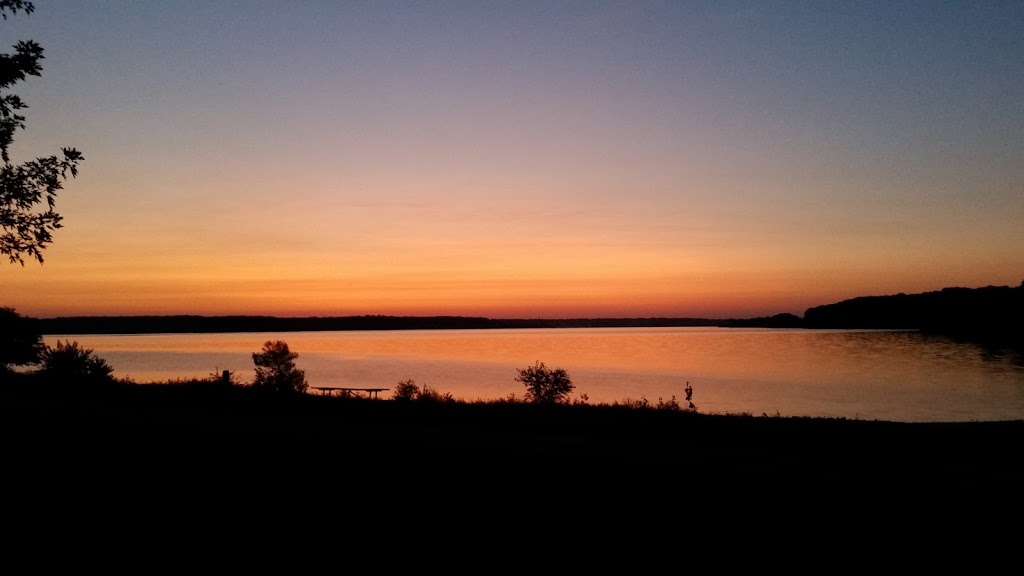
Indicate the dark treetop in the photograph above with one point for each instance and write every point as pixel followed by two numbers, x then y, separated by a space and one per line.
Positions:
pixel 28 191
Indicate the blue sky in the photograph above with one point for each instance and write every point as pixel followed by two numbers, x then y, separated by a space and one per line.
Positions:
pixel 709 158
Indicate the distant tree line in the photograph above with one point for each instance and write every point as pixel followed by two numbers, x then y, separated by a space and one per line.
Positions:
pixel 992 311
pixel 210 324
pixel 996 310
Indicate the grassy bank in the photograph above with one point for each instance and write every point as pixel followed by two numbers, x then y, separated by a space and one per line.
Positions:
pixel 201 424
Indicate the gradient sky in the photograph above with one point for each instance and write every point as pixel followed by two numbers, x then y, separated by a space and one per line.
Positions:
pixel 523 159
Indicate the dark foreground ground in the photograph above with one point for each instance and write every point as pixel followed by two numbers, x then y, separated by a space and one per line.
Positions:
pixel 206 429
pixel 217 462
pixel 203 466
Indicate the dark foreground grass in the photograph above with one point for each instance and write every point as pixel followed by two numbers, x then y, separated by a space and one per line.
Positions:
pixel 207 462
pixel 187 451
pixel 207 426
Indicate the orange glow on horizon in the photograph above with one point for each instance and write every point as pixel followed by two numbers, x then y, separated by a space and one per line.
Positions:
pixel 535 161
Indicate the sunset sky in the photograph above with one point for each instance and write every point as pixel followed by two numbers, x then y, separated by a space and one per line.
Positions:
pixel 522 159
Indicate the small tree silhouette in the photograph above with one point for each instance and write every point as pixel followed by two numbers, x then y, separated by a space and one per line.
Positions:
pixel 20 340
pixel 69 363
pixel 406 390
pixel 276 371
pixel 545 385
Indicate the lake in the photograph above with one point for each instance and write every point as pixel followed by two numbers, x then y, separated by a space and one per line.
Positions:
pixel 892 375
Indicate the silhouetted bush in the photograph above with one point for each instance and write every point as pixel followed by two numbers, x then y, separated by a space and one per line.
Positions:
pixel 509 400
pixel 670 404
pixel 406 390
pixel 545 385
pixel 428 394
pixel 20 340
pixel 276 371
pixel 583 400
pixel 224 378
pixel 69 363
pixel 641 404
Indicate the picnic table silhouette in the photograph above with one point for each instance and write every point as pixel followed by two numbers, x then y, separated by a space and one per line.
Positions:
pixel 345 390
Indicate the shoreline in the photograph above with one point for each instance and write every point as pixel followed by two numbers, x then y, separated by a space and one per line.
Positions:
pixel 188 324
pixel 34 389
pixel 195 433
pixel 425 330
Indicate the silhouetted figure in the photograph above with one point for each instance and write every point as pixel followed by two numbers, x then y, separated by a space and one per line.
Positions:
pixel 689 397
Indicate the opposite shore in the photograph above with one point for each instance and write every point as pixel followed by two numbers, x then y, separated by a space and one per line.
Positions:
pixel 992 313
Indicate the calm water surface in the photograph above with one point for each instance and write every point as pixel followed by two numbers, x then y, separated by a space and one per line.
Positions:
pixel 856 374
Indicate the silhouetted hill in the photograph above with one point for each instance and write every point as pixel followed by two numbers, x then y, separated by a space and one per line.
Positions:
pixel 776 321
pixel 996 311
pixel 992 311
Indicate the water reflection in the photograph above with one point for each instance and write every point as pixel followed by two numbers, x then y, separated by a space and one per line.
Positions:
pixel 862 374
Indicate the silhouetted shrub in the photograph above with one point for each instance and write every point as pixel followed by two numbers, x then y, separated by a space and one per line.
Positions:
pixel 276 371
pixel 428 394
pixel 505 401
pixel 69 363
pixel 20 340
pixel 545 385
pixel 670 404
pixel 224 378
pixel 405 390
pixel 641 404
